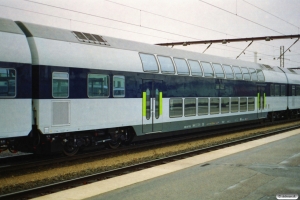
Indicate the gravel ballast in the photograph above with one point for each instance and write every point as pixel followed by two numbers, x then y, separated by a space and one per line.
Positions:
pixel 29 178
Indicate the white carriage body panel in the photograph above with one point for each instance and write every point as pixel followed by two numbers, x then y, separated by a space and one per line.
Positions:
pixel 88 114
pixel 275 77
pixel 14 48
pixel 294 102
pixel 67 54
pixel 15 117
pixel 277 103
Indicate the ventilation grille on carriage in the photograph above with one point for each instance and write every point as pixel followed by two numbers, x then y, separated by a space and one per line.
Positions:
pixel 60 113
pixel 90 38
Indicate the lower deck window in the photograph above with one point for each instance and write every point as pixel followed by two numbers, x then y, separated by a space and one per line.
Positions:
pixel 214 106
pixel 203 106
pixel 225 105
pixel 7 82
pixel 98 85
pixel 190 107
pixel 175 109
pixel 234 104
pixel 60 85
pixel 251 105
pixel 243 104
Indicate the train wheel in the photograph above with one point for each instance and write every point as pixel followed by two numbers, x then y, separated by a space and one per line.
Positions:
pixel 12 150
pixel 69 148
pixel 114 144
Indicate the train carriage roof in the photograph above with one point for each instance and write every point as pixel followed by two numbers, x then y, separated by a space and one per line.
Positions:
pixel 14 47
pixel 40 31
pixel 119 50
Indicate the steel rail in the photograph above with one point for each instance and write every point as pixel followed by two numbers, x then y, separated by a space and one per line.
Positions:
pixel 47 189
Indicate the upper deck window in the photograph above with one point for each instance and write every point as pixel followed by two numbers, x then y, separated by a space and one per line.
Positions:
pixel 260 75
pixel 166 64
pixel 218 70
pixel 208 71
pixel 246 74
pixel 149 62
pixel 195 68
pixel 182 68
pixel 238 73
pixel 253 74
pixel 228 71
pixel 60 84
pixel 7 82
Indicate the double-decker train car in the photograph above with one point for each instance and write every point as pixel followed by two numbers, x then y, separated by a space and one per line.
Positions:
pixel 82 89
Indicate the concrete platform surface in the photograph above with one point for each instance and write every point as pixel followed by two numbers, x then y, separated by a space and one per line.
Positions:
pixel 258 169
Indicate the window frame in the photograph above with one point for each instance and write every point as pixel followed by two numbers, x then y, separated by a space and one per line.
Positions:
pixel 207 106
pixel 238 105
pixel 188 61
pixel 161 68
pixel 250 72
pixel 235 73
pixel 175 116
pixel 149 71
pixel 180 73
pixel 108 86
pixel 247 74
pixel 210 110
pixel 59 72
pixel 216 71
pixel 213 73
pixel 194 113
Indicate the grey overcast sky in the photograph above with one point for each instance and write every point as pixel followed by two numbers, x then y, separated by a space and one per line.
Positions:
pixel 158 21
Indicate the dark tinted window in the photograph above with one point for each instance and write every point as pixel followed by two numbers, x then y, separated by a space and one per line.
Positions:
pixel 119 86
pixel 98 85
pixel 7 82
pixel 60 85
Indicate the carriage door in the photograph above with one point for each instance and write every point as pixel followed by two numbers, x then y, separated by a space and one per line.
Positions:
pixel 152 106
pixel 261 98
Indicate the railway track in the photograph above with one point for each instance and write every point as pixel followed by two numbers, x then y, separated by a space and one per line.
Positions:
pixel 47 189
pixel 22 162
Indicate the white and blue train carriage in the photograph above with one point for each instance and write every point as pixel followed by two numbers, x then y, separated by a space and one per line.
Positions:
pixel 89 89
pixel 15 83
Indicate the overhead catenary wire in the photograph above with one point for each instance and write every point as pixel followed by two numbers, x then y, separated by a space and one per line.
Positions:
pixel 271 14
pixel 240 16
pixel 227 46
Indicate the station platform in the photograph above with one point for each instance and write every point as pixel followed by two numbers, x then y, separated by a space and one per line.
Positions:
pixel 259 169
